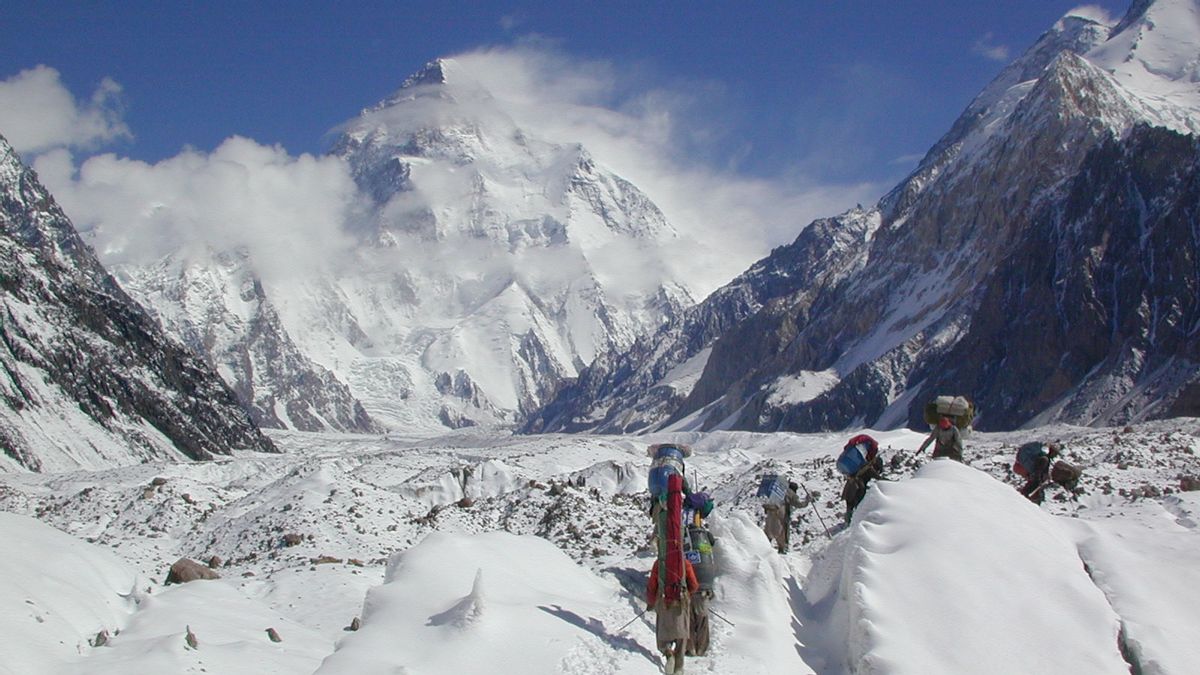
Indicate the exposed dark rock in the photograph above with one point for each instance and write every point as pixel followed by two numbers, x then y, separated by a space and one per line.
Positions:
pixel 1047 268
pixel 185 570
pixel 98 354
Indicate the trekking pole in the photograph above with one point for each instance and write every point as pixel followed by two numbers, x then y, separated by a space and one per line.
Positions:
pixel 813 503
pixel 1039 488
pixel 714 613
pixel 640 615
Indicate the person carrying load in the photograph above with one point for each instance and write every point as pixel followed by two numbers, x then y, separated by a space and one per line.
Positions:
pixel 946 439
pixel 859 462
pixel 779 498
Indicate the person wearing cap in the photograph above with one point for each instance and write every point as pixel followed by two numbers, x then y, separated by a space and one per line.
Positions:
pixel 946 439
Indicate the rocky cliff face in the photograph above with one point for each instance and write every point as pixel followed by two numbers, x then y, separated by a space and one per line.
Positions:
pixel 219 308
pixel 87 378
pixel 989 272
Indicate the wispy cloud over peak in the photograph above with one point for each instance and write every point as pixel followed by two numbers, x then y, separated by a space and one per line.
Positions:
pixel 987 47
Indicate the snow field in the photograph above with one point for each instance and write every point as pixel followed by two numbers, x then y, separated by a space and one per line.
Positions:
pixel 56 593
pixel 953 572
pixel 944 570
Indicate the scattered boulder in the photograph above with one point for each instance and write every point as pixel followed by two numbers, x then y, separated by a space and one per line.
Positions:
pixel 1189 484
pixel 274 635
pixel 292 539
pixel 186 569
pixel 189 638
pixel 324 559
pixel 355 624
pixel 159 481
pixel 101 639
pixel 214 562
pixel 466 503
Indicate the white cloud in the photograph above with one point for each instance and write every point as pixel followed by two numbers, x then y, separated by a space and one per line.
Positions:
pixel 1093 12
pixel 986 47
pixel 38 113
pixel 288 212
pixel 658 136
pixel 908 160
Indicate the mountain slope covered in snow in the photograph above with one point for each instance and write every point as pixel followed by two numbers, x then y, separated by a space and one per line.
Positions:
pixel 1041 260
pixel 88 378
pixel 482 266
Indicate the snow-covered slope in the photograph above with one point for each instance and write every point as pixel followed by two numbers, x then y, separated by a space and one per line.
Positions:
pixel 946 572
pixel 1041 260
pixel 87 378
pixel 475 548
pixel 59 593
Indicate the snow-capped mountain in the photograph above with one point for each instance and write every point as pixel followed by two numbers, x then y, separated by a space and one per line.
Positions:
pixel 488 266
pixel 1042 260
pixel 89 379
pixel 217 305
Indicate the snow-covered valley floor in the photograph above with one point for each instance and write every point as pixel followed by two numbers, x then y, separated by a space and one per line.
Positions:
pixel 489 553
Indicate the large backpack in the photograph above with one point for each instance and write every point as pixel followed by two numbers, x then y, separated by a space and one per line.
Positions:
pixel 960 411
pixel 669 529
pixel 698 549
pixel 668 461
pixel 772 490
pixel 1066 475
pixel 858 453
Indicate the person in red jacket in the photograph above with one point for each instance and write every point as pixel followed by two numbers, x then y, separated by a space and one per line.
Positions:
pixel 671 617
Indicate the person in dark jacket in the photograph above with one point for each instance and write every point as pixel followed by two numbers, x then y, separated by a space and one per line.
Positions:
pixel 856 486
pixel 1038 468
pixel 946 439
pixel 671 617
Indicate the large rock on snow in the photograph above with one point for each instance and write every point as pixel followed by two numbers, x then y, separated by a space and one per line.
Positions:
pixel 186 569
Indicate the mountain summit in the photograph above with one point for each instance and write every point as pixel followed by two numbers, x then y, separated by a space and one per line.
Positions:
pixel 1042 260
pixel 486 265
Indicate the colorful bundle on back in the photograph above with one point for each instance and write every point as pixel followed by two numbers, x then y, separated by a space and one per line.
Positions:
pixel 860 451
pixel 669 528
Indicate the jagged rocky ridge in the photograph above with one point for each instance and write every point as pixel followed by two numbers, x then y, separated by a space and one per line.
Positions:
pixel 1042 260
pixel 88 378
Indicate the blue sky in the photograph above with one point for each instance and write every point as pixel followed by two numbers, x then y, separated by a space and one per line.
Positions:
pixel 848 90
pixel 158 125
